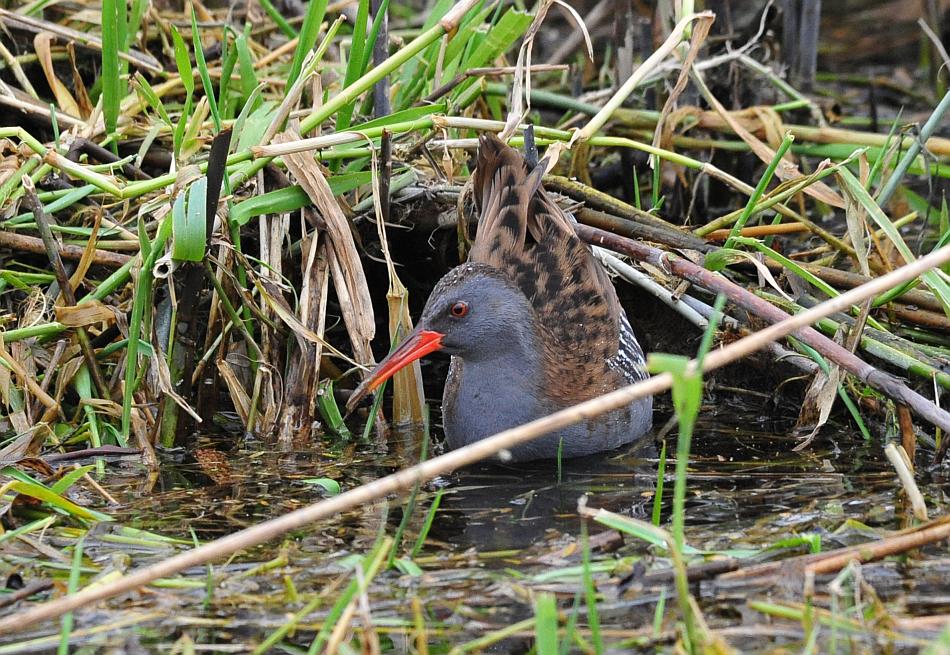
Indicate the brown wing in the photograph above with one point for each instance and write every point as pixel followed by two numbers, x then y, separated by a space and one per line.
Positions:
pixel 524 233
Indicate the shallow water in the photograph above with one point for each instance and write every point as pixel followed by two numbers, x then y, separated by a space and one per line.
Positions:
pixel 504 533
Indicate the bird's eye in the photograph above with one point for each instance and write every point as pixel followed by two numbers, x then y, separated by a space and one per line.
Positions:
pixel 459 309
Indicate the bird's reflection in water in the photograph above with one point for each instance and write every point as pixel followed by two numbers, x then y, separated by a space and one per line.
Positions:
pixel 493 506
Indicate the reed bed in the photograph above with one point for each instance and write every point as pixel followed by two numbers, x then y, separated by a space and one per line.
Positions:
pixel 212 217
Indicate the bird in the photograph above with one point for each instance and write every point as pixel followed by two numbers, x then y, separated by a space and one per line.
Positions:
pixel 532 323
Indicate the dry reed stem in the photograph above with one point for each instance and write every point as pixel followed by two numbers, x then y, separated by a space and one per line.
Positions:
pixel 888 384
pixel 899 460
pixel 759 231
pixel 868 552
pixel 834 560
pixel 406 478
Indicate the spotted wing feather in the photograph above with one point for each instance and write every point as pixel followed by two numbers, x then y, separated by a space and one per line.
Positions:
pixel 523 233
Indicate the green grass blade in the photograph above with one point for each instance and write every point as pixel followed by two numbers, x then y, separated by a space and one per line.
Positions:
pixel 229 58
pixel 62 485
pixel 141 297
pixel 280 201
pixel 545 624
pixel 189 223
pixel 248 74
pixel 427 524
pixel 658 494
pixel 33 526
pixel 186 73
pixel 278 19
pixel 934 279
pixel 373 35
pixel 408 567
pixel 878 165
pixel 178 136
pixel 330 411
pixel 642 530
pixel 112 11
pixel 803 273
pixel 354 65
pixel 465 50
pixel 67 621
pixel 38 491
pixel 687 398
pixel 183 62
pixel 203 72
pixel 292 198
pixel 759 190
pixel 372 562
pixel 366 107
pixel 413 72
pixel 309 30
pixel 254 124
pixel 501 36
pixel 139 7
pixel 658 613
pixel 590 592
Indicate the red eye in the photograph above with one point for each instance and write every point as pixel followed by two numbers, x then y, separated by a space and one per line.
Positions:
pixel 459 309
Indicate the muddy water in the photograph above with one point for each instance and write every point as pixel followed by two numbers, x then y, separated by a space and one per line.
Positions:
pixel 505 533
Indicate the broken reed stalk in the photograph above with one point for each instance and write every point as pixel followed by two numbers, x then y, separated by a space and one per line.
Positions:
pixel 26 243
pixel 883 382
pixel 902 464
pixel 834 560
pixel 405 479
pixel 818 563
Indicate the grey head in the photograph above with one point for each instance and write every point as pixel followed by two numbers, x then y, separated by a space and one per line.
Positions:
pixel 480 313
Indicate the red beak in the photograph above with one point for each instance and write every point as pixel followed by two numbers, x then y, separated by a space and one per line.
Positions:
pixel 418 344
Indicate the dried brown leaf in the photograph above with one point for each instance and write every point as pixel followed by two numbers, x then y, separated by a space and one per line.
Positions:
pixel 164 377
pixel 26 379
pixel 272 295
pixel 662 136
pixel 239 397
pixel 104 406
pixel 359 342
pixel 42 44
pixel 66 371
pixel 88 313
pixel 857 218
pixel 88 254
pixel 27 444
pixel 817 404
pixel 347 269
pixel 82 95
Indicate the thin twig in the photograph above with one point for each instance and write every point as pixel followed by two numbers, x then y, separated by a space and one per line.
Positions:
pixel 26 243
